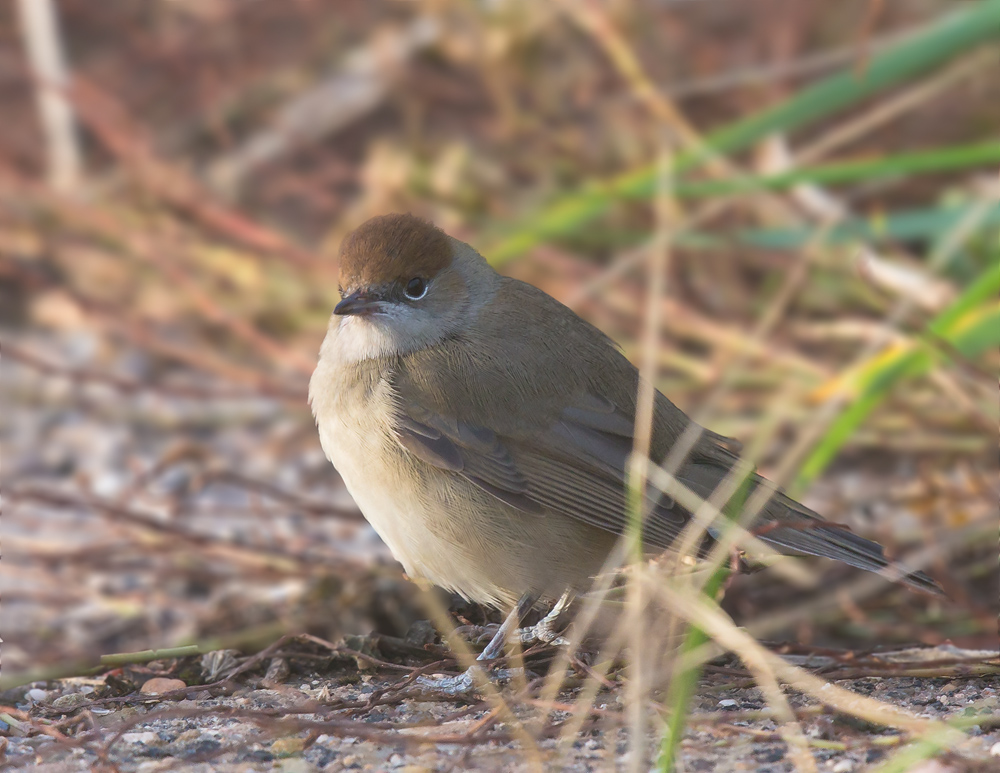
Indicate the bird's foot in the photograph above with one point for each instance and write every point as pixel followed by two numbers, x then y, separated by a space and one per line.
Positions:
pixel 477 634
pixel 542 632
pixel 468 684
pixel 546 630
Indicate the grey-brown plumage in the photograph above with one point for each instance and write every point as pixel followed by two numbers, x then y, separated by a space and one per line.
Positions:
pixel 484 428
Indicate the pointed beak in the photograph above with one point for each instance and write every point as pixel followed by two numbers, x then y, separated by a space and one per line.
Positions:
pixel 359 304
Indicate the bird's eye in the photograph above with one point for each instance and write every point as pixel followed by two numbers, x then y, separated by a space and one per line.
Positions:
pixel 416 288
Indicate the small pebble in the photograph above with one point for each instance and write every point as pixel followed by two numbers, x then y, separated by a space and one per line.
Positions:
pixel 36 695
pixel 150 766
pixel 143 737
pixel 159 685
pixel 69 702
pixel 844 766
pixel 995 749
pixel 285 747
pixel 295 765
pixel 728 703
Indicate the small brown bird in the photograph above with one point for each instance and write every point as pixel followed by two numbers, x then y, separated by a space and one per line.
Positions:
pixel 484 429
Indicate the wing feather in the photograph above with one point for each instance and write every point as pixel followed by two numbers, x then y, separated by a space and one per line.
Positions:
pixel 576 466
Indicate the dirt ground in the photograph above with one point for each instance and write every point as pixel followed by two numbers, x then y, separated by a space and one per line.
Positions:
pixel 297 717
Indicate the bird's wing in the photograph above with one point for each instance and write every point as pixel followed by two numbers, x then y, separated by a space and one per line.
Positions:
pixel 536 407
pixel 574 466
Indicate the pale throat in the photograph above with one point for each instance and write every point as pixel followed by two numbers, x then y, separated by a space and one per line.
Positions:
pixel 358 339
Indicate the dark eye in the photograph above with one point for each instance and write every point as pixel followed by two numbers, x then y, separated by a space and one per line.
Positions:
pixel 416 288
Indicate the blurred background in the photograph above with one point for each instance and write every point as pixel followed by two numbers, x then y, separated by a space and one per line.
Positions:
pixel 176 177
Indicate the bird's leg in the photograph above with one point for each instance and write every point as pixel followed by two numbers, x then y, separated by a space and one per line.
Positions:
pixel 508 627
pixel 545 630
pixel 464 684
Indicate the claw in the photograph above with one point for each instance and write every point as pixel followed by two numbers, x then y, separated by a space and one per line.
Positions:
pixel 545 630
pixel 460 686
pixel 476 634
pixel 487 632
pixel 540 633
pixel 465 685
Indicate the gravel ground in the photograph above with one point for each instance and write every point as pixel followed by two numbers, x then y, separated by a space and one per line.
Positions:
pixel 341 717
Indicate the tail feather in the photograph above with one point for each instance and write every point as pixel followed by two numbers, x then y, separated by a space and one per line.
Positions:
pixel 812 536
pixel 792 528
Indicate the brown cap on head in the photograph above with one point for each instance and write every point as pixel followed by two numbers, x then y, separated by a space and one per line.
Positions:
pixel 391 248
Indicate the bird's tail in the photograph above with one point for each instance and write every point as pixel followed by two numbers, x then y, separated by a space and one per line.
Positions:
pixel 809 534
pixel 793 529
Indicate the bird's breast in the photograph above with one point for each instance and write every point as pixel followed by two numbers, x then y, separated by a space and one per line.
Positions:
pixel 354 415
pixel 409 504
pixel 438 524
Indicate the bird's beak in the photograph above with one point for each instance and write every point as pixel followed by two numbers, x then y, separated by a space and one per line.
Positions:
pixel 360 303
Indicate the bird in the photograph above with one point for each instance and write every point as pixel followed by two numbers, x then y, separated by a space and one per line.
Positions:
pixel 484 429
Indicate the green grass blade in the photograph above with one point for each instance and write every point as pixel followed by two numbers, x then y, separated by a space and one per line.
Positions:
pixel 925 224
pixel 953 35
pixel 937 160
pixel 969 326
pixel 683 685
pixel 684 682
pixel 909 225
